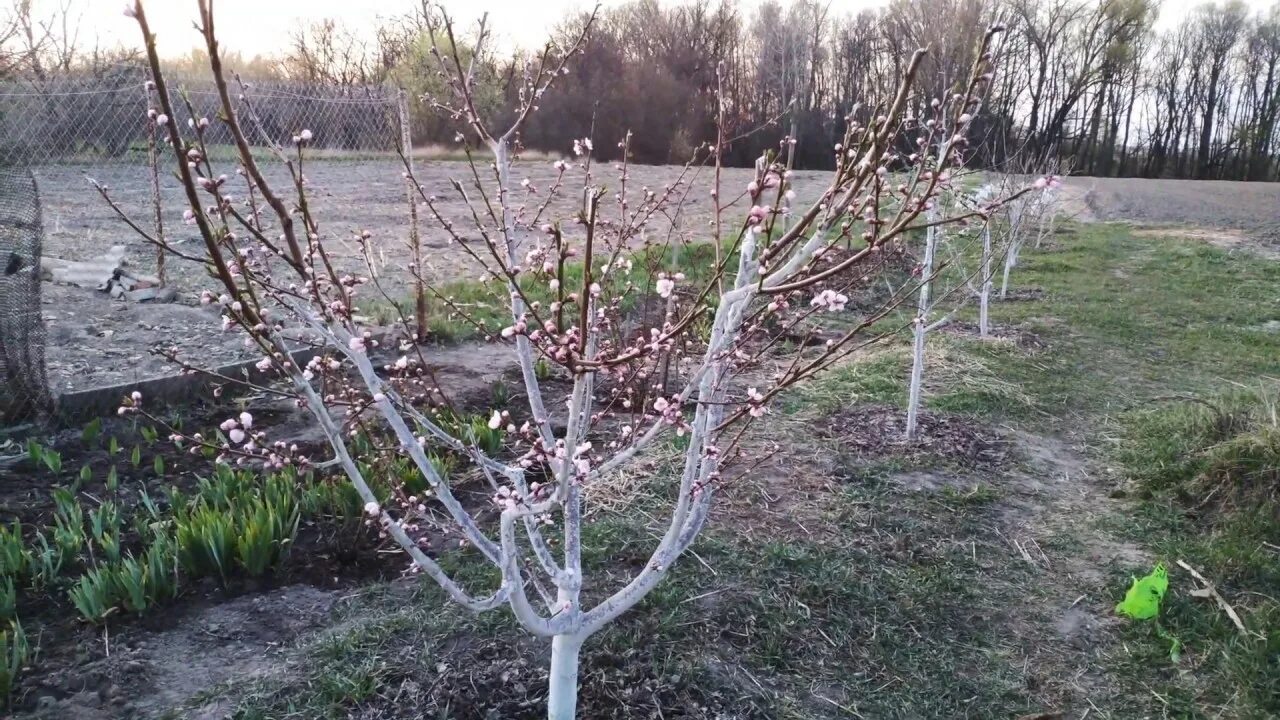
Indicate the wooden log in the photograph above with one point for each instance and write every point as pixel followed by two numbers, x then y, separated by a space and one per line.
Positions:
pixel 96 273
pixel 109 272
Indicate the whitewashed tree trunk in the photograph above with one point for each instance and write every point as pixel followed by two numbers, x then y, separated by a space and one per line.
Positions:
pixel 921 329
pixel 1015 244
pixel 984 295
pixel 1048 216
pixel 562 698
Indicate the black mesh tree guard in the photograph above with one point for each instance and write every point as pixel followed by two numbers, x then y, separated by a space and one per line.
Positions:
pixel 24 389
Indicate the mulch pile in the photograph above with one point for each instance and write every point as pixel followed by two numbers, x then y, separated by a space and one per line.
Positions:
pixel 879 431
pixel 1024 339
pixel 1018 295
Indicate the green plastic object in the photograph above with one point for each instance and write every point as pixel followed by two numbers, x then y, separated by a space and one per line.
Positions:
pixel 1142 602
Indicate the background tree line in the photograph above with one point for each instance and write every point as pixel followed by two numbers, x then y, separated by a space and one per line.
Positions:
pixel 1089 84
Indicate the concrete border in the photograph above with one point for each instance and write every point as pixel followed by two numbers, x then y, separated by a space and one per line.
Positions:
pixel 183 388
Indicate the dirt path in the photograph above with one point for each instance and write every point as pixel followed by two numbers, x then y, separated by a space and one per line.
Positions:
pixel 1060 532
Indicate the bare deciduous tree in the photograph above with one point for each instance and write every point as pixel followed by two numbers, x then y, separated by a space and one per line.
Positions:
pixel 1089 82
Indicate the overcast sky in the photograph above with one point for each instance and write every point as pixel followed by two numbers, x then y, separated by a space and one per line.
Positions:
pixel 258 27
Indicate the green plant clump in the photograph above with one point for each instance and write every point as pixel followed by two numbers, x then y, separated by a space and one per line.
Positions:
pixel 238 521
pixel 14 653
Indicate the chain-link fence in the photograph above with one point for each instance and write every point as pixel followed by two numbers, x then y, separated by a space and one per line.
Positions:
pixel 24 391
pixel 68 131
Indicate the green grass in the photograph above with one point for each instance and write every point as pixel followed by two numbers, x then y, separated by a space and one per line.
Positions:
pixel 464 310
pixel 1132 318
pixel 1141 333
pixel 1211 479
pixel 1135 325
pixel 878 378
pixel 899 604
pixel 891 623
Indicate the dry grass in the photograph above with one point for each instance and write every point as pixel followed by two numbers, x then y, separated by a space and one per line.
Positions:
pixel 950 367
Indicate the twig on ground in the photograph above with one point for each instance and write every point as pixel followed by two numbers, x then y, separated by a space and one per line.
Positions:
pixel 1210 591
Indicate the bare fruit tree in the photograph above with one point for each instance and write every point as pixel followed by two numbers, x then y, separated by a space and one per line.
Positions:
pixel 1031 217
pixel 573 286
pixel 920 324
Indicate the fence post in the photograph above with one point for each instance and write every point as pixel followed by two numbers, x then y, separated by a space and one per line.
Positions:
pixel 415 239
pixel 153 160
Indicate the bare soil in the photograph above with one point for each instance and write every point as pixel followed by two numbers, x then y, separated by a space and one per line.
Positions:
pixel 136 667
pixel 154 666
pixel 1226 213
pixel 1023 338
pixel 879 431
pixel 350 197
pixel 94 343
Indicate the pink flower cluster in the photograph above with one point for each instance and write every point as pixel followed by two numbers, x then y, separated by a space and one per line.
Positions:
pixel 829 300
pixel 236 428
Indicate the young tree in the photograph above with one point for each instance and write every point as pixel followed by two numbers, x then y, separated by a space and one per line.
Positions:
pixel 1031 217
pixel 565 281
pixel 984 291
pixel 964 283
pixel 920 328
